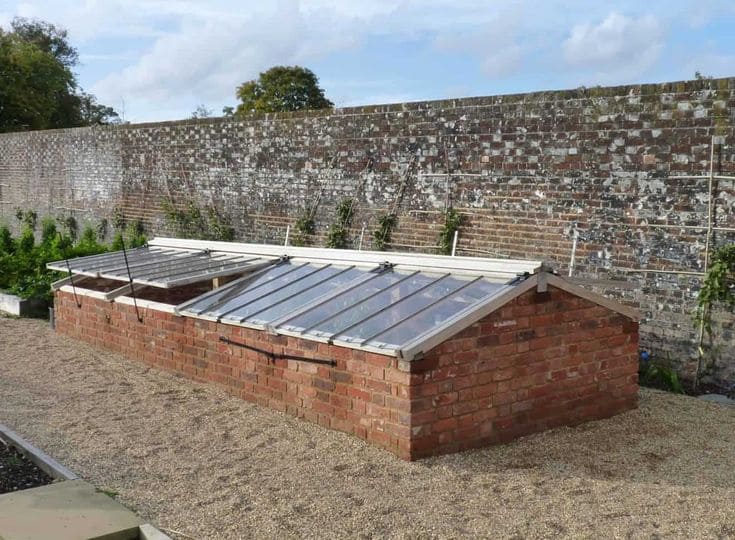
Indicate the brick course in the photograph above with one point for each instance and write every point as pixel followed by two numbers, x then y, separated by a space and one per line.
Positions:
pixel 541 361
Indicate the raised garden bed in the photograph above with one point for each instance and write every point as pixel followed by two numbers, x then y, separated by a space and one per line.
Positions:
pixel 15 305
pixel 17 472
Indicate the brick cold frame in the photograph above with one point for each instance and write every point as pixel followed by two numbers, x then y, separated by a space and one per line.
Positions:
pixel 542 360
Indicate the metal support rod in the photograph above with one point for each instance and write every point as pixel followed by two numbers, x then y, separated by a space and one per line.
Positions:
pixel 650 271
pixel 288 231
pixel 273 356
pixel 130 278
pixel 575 237
pixel 708 242
pixel 362 236
pixel 454 242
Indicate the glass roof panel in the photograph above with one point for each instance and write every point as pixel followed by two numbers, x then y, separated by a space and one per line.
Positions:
pixel 372 305
pixel 397 311
pixel 313 276
pixel 343 301
pixel 436 314
pixel 237 294
pixel 303 297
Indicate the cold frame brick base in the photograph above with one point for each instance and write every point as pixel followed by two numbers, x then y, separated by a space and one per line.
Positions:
pixel 541 361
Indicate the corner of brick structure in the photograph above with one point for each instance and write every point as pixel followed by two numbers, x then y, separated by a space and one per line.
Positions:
pixel 541 361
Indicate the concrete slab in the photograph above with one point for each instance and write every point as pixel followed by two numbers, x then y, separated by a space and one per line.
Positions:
pixel 70 510
pixel 718 398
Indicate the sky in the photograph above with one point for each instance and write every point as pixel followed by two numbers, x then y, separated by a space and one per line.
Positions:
pixel 157 60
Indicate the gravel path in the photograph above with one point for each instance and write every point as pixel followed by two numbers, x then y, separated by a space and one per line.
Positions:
pixel 192 459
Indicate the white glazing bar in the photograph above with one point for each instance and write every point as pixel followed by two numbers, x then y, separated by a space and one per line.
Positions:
pixel 386 308
pixel 421 310
pixel 369 297
pixel 148 260
pixel 234 291
pixel 119 259
pixel 360 280
pixel 250 316
pixel 240 306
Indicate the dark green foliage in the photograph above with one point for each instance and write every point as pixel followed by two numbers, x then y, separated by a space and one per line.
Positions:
pixel 102 227
pixel 661 377
pixel 338 235
pixel 381 236
pixel 6 241
pixel 452 222
pixel 282 88
pixel 132 236
pixel 38 88
pixel 719 285
pixel 70 226
pixel 23 262
pixel 303 229
pixel 193 222
pixel 48 230
pixel 29 218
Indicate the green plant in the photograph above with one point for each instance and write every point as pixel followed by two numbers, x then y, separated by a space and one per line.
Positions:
pixel 338 235
pixel 132 237
pixel 452 222
pixel 718 286
pixel 190 221
pixel 70 225
pixel 661 377
pixel 29 218
pixel 102 228
pixel 303 229
pixel 118 219
pixel 6 240
pixel 48 230
pixel 23 261
pixel 381 236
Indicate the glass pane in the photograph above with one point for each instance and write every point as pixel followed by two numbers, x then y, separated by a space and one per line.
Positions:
pixel 372 305
pixel 283 292
pixel 435 315
pixel 230 296
pixel 343 301
pixel 399 311
pixel 300 299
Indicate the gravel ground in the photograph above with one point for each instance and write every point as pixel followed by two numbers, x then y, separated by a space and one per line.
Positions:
pixel 192 459
pixel 18 472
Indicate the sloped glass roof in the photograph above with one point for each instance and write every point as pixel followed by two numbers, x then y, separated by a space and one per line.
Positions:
pixel 385 302
pixel 160 267
pixel 379 308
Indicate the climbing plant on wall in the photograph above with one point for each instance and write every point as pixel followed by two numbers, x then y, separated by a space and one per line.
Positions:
pixel 718 287
pixel 338 235
pixel 452 223
pixel 381 236
pixel 304 228
pixel 192 221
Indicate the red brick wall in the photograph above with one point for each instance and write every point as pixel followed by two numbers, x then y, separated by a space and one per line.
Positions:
pixel 544 360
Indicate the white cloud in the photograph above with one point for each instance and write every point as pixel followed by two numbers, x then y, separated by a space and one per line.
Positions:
pixel 493 40
pixel 618 47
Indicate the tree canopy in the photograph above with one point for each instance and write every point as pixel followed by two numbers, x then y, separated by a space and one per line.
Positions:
pixel 38 89
pixel 282 88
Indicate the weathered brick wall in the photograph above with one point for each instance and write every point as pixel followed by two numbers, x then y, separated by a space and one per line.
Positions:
pixel 526 171
pixel 542 361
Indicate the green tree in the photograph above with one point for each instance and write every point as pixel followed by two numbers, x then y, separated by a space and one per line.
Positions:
pixel 282 88
pixel 38 89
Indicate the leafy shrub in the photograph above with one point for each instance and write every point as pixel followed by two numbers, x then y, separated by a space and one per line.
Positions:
pixel 452 222
pixel 23 262
pixel 661 377
pixel 338 235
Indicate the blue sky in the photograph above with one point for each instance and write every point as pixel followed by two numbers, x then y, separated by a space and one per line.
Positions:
pixel 160 59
